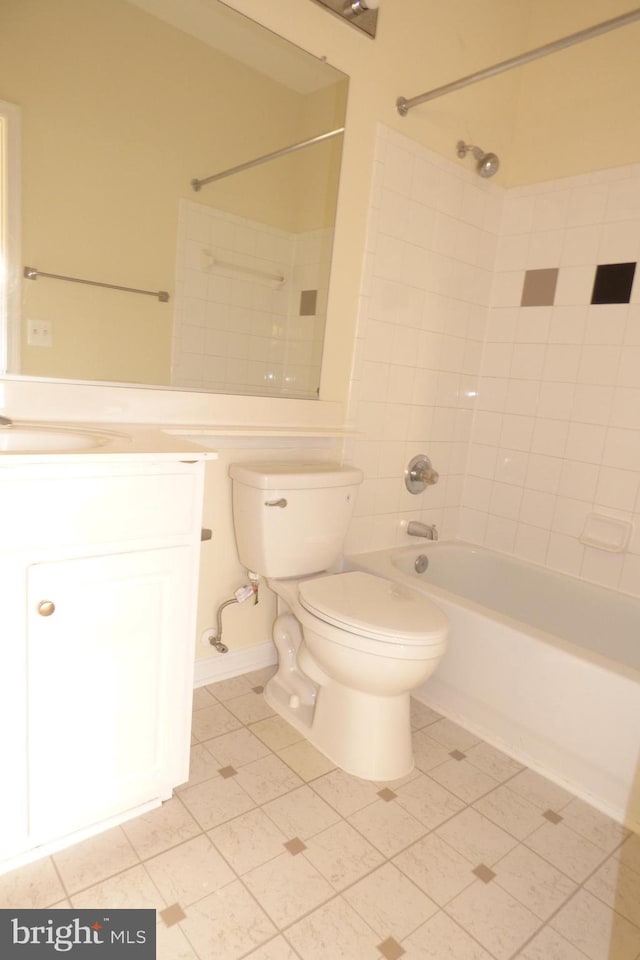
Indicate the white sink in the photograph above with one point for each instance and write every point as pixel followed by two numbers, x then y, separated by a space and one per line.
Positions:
pixel 37 437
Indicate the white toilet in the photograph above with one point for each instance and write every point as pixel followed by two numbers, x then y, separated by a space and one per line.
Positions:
pixel 351 646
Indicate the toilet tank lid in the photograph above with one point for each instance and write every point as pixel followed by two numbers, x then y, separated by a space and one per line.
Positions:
pixel 294 474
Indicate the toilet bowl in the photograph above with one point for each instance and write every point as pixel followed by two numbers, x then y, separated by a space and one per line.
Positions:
pixel 351 645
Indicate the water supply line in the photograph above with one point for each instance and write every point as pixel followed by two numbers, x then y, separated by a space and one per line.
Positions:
pixel 245 592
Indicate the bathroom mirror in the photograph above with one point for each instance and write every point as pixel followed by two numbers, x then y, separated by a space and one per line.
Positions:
pixel 121 106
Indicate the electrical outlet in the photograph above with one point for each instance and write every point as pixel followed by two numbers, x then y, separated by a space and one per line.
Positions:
pixel 39 333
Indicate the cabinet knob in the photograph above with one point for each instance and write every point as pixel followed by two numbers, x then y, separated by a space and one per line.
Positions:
pixel 46 608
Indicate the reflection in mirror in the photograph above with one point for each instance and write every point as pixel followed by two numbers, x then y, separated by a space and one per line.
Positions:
pixel 124 104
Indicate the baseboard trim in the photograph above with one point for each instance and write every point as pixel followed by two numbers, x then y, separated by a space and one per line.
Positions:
pixel 232 664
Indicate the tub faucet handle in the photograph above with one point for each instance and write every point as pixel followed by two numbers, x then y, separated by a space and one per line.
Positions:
pixel 420 474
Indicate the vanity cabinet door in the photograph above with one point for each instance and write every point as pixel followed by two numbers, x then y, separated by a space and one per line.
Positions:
pixel 13 714
pixel 108 685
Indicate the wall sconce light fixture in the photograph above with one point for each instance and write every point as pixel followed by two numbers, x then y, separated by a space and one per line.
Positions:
pixel 359 13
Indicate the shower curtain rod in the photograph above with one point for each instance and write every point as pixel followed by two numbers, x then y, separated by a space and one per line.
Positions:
pixel 197 184
pixel 403 104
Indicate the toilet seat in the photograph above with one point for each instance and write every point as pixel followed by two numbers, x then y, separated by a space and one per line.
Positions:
pixel 370 606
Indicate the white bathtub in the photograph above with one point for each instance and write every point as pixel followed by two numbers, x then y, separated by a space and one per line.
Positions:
pixel 544 666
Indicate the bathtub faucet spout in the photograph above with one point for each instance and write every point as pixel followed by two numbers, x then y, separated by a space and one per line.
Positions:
pixel 426 530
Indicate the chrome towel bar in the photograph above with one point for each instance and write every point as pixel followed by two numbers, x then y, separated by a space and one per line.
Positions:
pixel 31 273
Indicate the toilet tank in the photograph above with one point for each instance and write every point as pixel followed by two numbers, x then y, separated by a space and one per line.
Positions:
pixel 291 517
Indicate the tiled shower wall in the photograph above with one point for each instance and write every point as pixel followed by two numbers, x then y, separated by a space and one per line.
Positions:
pixel 240 322
pixel 531 414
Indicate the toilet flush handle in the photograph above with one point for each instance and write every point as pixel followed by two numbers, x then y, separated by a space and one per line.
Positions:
pixel 276 503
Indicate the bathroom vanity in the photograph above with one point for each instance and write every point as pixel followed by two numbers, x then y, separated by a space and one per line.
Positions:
pixel 99 555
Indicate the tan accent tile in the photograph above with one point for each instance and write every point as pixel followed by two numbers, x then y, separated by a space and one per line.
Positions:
pixel 475 837
pixel 295 846
pixel 226 772
pixel 267 779
pixel 342 855
pixel 212 722
pixel 202 766
pixel 315 937
pixel 534 882
pixel 428 801
pixel 570 853
pixel 344 792
pixel 539 287
pixel 598 931
pixel 130 889
pixel 463 779
pixel 495 918
pixel 160 829
pixel 95 859
pixel 248 841
pixel 190 871
pixel 258 689
pixel 275 732
pixel 34 885
pixel 457 755
pixel 172 915
pixel 492 761
pixel 389 902
pixel 440 938
pixel 287 888
pixel 452 735
pixel 484 873
pixel 305 760
pixel 510 811
pixel 391 949
pixel 228 923
pixel 236 748
pixel 301 813
pixel 388 826
pixel 386 794
pixel 436 868
pixel 552 816
pixel 250 708
pixel 216 801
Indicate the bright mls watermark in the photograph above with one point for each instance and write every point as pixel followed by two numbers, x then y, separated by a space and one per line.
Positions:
pixel 79 934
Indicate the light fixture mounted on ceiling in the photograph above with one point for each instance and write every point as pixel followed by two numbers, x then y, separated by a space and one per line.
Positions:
pixel 359 13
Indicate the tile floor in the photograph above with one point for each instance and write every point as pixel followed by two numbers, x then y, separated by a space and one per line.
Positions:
pixel 270 853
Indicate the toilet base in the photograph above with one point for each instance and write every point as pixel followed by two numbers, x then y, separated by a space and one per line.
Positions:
pixel 367 736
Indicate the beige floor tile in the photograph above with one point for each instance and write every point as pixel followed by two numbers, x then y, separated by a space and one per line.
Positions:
pixel 492 761
pixel 429 753
pixel 533 881
pixel 629 852
pixel 276 949
pixel 619 887
pixel 344 792
pixel 160 829
pixel 388 826
pixel 301 813
pixel 422 715
pixel 305 760
pixel 596 930
pixel 249 841
pixel 91 861
pixel 228 689
pixel 202 766
pixel 266 779
pixel 212 722
pixel 510 811
pixel 539 791
pixel 390 903
pixel 227 924
pixel 476 838
pixel 276 732
pixel 437 868
pixel 441 938
pixel 549 945
pixel 171 944
pixel 190 871
pixel 595 826
pixel 216 801
pixel 463 779
pixel 428 801
pixel 566 850
pixel 452 735
pixel 202 698
pixel 34 885
pixel 334 932
pixel 259 678
pixel 131 889
pixel 236 748
pixel 287 888
pixel 495 918
pixel 342 855
pixel 250 707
